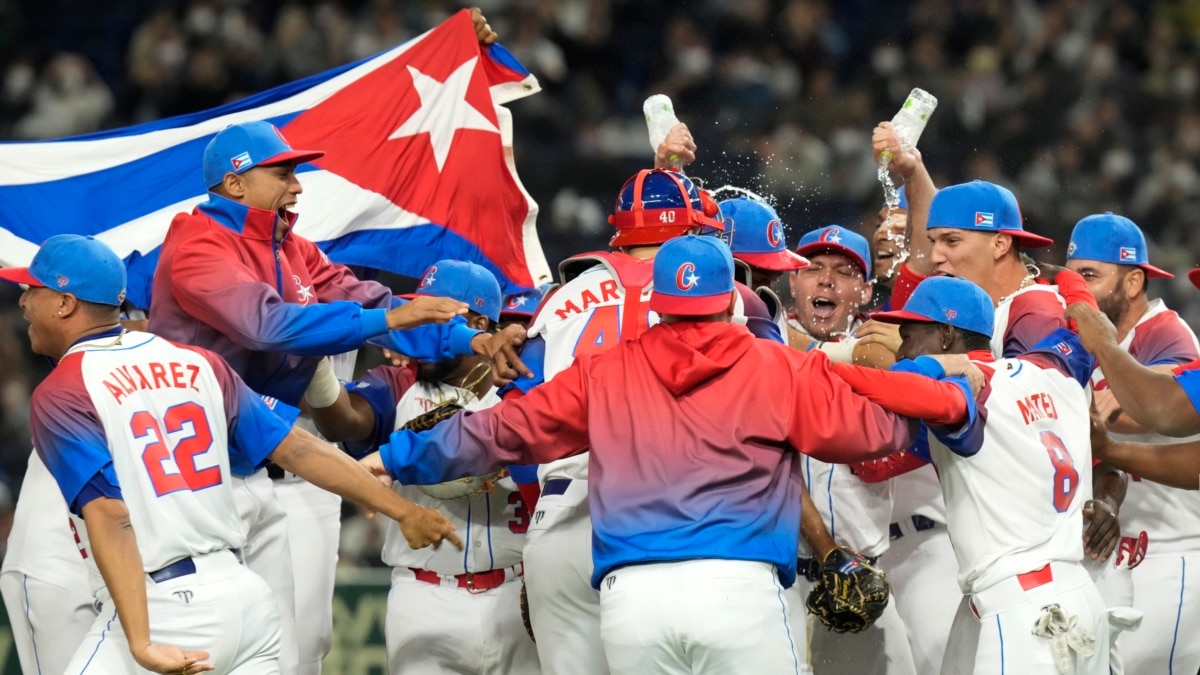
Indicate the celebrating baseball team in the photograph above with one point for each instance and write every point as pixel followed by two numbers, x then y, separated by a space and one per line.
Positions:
pixel 701 451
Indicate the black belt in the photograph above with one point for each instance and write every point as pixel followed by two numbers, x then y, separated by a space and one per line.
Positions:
pixel 183 567
pixel 556 486
pixel 919 523
pixel 810 568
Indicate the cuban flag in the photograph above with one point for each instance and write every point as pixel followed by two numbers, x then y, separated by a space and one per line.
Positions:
pixel 418 167
pixel 1127 253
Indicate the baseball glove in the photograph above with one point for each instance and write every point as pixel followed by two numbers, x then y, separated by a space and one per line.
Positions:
pixel 850 594
pixel 454 489
pixel 525 612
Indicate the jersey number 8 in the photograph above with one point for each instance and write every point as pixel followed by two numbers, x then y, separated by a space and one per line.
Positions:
pixel 185 476
pixel 1066 476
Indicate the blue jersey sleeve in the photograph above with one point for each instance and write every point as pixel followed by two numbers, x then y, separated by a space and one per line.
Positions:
pixel 67 432
pixel 533 354
pixel 1065 348
pixel 964 440
pixel 103 484
pixel 432 342
pixel 1190 381
pixel 378 392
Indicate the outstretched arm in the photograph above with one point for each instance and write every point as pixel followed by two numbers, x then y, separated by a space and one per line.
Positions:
pixel 918 187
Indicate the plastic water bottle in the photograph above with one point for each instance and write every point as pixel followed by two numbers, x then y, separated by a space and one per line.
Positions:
pixel 908 124
pixel 912 117
pixel 660 117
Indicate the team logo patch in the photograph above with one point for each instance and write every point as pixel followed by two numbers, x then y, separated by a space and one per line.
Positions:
pixel 270 401
pixel 62 281
pixel 1063 348
pixel 950 314
pixel 775 234
pixel 240 161
pixel 478 301
pixel 685 277
pixel 1071 248
pixel 831 236
pixel 1128 253
pixel 428 278
pixel 984 219
pixel 516 301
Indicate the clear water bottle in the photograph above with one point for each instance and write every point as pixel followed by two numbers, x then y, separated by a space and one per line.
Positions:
pixel 660 117
pixel 910 121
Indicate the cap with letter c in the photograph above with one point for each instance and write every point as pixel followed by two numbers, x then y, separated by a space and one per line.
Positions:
pixel 693 276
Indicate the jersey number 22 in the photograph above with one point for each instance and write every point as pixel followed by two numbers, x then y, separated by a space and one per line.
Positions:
pixel 185 476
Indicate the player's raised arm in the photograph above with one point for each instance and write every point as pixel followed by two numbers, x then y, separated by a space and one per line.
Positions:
pixel 919 188
pixel 1156 400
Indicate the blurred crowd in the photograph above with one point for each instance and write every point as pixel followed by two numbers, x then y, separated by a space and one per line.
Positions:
pixel 1079 106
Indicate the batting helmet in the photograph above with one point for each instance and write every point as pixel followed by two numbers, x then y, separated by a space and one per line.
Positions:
pixel 659 204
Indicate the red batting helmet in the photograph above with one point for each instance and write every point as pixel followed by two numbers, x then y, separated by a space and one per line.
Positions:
pixel 659 204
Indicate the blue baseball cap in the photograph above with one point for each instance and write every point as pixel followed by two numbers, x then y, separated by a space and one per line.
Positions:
pixel 240 147
pixel 693 276
pixel 758 235
pixel 465 282
pixel 525 303
pixel 948 300
pixel 982 207
pixel 837 239
pixel 1110 238
pixel 70 263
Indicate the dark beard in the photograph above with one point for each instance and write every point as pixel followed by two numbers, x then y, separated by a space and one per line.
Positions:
pixel 436 373
pixel 1114 304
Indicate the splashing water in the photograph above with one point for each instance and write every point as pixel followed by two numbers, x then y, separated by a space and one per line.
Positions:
pixel 716 193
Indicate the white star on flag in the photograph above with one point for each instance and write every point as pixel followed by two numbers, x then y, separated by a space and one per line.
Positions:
pixel 692 280
pixel 441 101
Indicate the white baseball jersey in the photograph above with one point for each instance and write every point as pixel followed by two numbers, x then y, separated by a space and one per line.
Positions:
pixel 1170 517
pixel 43 542
pixel 492 525
pixel 590 313
pixel 131 415
pixel 1018 474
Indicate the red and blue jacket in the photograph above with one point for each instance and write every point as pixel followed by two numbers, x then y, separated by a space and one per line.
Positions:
pixel 272 309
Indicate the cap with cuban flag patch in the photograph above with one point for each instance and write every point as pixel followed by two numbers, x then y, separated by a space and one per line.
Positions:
pixel 240 147
pixel 982 207
pixel 1110 238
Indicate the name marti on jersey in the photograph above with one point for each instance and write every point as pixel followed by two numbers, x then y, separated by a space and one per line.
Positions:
pixel 126 380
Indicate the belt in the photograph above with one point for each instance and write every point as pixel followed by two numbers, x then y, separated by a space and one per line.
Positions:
pixel 1028 581
pixel 183 567
pixel 556 486
pixel 810 568
pixel 475 582
pixel 919 523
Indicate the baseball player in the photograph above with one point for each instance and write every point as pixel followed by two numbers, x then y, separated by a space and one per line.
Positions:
pixel 851 513
pixel 1162 524
pixel 448 612
pixel 760 250
pixel 520 308
pixel 1015 473
pixel 234 278
pixel 45 583
pixel 142 437
pixel 696 513
pixel 602 301
pixel 889 249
